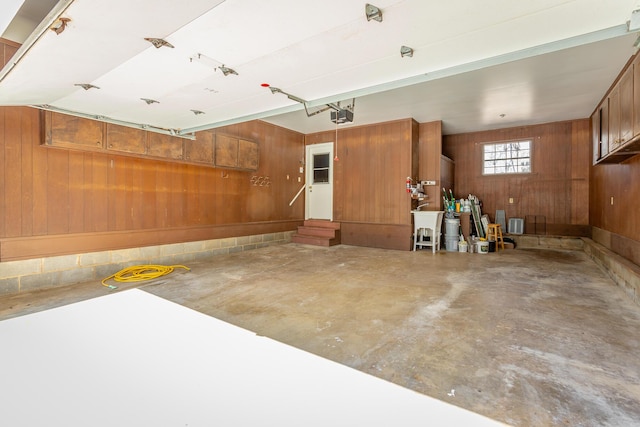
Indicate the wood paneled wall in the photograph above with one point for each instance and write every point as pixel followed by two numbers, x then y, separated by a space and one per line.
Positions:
pixel 370 198
pixel 48 191
pixel 557 190
pixel 617 225
pixel 430 152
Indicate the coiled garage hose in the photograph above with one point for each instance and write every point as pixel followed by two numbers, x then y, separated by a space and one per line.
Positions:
pixel 138 273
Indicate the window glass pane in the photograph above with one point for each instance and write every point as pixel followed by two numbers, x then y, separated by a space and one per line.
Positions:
pixel 321 168
pixel 320 176
pixel 320 161
pixel 506 157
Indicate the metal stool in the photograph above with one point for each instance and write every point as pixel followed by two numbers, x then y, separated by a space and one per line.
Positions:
pixel 495 231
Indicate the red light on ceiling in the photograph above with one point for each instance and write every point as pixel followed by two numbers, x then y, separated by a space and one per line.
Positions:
pixel 265 85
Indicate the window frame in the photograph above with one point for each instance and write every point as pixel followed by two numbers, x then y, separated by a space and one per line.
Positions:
pixel 508 141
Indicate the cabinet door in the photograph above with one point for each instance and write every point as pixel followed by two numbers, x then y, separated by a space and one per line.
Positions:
pixel 226 151
pixel 126 139
pixel 636 96
pixel 614 118
pixel 200 150
pixel 165 146
pixel 248 155
pixel 73 132
pixel 626 105
pixel 595 134
pixel 604 128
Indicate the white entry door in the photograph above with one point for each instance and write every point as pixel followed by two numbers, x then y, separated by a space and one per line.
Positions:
pixel 319 178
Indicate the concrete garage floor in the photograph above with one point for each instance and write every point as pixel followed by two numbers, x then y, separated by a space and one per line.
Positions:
pixel 529 337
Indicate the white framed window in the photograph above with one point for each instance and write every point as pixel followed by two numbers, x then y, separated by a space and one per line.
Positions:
pixel 506 157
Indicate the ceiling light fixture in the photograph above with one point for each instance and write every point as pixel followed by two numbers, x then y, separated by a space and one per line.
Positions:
pixel 60 25
pixel 158 43
pixel 86 86
pixel 373 12
pixel 150 101
pixel 406 51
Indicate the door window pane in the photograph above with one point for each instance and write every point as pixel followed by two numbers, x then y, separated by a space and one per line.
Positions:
pixel 321 168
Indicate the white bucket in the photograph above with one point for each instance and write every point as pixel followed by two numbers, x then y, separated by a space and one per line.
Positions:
pixel 462 246
pixel 483 247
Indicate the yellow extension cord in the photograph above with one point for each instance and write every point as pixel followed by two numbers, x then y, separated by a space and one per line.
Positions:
pixel 138 273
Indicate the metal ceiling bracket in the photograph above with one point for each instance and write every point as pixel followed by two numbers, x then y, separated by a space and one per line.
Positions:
pixel 373 12
pixel 158 43
pixel 86 86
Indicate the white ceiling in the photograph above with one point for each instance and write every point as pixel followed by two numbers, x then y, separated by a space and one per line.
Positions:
pixel 476 65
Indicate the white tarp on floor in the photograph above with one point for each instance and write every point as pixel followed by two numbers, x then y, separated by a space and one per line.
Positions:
pixel 134 359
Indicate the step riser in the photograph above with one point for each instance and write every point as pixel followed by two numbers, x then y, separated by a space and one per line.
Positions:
pixel 307 240
pixel 318 232
pixel 319 223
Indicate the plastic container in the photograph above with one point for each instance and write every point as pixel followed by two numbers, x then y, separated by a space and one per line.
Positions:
pixel 483 247
pixel 462 246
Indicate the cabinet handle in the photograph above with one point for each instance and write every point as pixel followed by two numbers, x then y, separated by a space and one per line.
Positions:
pixel 98 143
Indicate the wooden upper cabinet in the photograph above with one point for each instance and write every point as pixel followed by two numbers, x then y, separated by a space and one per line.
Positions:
pixel 126 139
pixel 636 96
pixel 226 151
pixel 201 149
pixel 248 155
pixel 67 131
pixel 626 105
pixel 614 118
pixel 165 146
pixel 600 131
pixel 209 148
pixel 236 153
pixel 595 134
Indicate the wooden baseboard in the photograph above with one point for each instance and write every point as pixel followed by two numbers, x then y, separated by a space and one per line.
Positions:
pixel 14 249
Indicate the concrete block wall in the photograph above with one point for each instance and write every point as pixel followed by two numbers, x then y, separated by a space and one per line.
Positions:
pixel 42 273
pixel 623 272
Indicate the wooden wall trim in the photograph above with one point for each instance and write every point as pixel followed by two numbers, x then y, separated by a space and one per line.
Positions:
pixel 19 248
pixel 384 236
